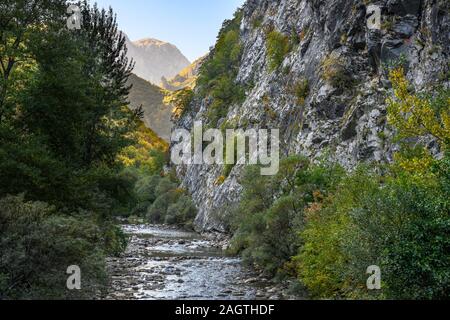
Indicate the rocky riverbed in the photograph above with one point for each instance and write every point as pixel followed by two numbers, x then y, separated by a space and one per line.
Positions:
pixel 165 263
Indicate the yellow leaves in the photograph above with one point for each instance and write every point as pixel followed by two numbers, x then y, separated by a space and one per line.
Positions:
pixel 414 116
pixel 416 166
pixel 220 180
pixel 417 116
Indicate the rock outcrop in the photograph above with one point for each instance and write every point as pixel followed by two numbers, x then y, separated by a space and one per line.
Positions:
pixel 343 114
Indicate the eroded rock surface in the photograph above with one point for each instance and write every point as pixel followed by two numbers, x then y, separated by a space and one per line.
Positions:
pixel 346 122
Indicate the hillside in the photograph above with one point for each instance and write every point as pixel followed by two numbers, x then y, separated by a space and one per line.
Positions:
pixel 185 79
pixel 156 114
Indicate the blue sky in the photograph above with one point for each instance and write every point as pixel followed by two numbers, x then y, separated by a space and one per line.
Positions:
pixel 191 25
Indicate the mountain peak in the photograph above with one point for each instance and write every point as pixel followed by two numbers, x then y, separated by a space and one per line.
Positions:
pixel 150 42
pixel 155 59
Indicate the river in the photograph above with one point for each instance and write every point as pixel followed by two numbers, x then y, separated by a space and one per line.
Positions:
pixel 164 263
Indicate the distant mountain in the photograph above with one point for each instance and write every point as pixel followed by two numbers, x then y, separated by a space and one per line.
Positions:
pixel 157 115
pixel 156 59
pixel 187 78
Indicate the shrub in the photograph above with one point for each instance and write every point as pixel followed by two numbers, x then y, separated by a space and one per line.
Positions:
pixel 335 72
pixel 39 244
pixel 170 205
pixel 278 46
pixel 157 211
pixel 413 251
pixel 301 90
pixel 322 263
pixel 270 214
pixel 181 212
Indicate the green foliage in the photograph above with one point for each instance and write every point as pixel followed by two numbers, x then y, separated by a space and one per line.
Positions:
pixel 180 99
pixel 181 212
pixel 217 76
pixel 301 90
pixel 63 123
pixel 148 154
pixel 278 46
pixel 171 205
pixel 271 212
pixel 154 195
pixel 398 220
pixel 397 224
pixel 39 244
pixel 322 264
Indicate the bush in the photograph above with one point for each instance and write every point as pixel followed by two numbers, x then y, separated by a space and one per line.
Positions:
pixel 322 264
pixel 397 224
pixel 145 188
pixel 181 212
pixel 301 91
pixel 335 72
pixel 38 245
pixel 171 205
pixel 414 220
pixel 278 46
pixel 271 212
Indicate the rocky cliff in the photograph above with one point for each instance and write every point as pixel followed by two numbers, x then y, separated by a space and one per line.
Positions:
pixel 327 94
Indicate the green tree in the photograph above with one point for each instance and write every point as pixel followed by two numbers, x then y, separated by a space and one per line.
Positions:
pixel 20 25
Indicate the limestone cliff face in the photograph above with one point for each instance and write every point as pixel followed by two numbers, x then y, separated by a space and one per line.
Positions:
pixel 345 119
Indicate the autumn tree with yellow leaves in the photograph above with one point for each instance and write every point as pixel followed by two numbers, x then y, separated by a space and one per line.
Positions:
pixel 418 115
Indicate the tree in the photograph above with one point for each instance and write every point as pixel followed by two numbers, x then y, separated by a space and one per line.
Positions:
pixel 414 115
pixel 19 19
pixel 109 64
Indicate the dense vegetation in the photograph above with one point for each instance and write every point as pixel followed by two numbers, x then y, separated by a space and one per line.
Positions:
pixel 71 152
pixel 325 226
pixel 217 79
pixel 154 194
